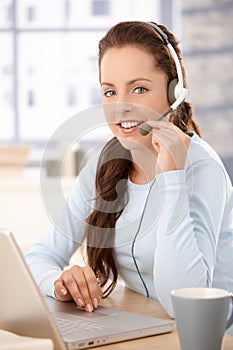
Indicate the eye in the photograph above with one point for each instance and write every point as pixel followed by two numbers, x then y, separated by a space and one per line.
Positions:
pixel 109 93
pixel 140 90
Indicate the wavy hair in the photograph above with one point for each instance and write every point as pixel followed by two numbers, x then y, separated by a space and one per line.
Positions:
pixel 115 165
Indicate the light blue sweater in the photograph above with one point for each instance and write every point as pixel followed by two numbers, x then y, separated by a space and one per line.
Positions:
pixel 183 222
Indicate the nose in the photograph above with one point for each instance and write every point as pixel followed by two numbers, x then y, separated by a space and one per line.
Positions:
pixel 123 108
pixel 116 111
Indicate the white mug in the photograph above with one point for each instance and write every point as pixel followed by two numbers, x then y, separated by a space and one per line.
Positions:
pixel 201 317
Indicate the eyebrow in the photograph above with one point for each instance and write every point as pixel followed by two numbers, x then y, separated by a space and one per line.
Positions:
pixel 129 82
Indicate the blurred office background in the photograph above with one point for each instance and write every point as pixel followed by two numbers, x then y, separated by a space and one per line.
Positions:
pixel 49 72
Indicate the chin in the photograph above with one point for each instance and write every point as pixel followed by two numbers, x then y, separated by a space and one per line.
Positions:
pixel 133 145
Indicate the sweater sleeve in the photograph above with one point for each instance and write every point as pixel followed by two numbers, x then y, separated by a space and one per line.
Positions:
pixel 52 252
pixel 188 228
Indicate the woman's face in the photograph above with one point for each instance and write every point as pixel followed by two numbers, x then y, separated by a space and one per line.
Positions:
pixel 133 92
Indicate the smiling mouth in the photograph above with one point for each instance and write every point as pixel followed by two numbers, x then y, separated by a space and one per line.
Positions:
pixel 129 124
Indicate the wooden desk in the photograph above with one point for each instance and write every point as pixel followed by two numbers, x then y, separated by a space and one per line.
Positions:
pixel 123 298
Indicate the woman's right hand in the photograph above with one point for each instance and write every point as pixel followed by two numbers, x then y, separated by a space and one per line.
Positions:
pixel 80 284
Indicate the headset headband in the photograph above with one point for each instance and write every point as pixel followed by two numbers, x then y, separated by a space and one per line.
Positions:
pixel 172 51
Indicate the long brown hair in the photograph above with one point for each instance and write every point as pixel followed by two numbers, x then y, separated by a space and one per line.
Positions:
pixel 114 165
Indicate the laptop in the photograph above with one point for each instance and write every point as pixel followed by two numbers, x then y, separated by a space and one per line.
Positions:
pixel 24 311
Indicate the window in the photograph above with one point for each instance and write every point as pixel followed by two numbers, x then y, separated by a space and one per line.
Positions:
pixel 100 7
pixel 31 98
pixel 49 65
pixel 6 87
pixel 30 14
pixel 95 99
pixel 9 13
pixel 72 96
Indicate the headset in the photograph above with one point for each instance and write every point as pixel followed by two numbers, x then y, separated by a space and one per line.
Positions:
pixel 176 90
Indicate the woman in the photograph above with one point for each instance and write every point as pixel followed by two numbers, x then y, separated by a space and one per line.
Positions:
pixel 162 212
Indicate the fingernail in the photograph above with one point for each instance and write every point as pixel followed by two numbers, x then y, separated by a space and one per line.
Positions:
pixel 95 302
pixel 89 308
pixel 80 302
pixel 63 291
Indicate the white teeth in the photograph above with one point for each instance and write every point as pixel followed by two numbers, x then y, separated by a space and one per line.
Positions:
pixel 128 125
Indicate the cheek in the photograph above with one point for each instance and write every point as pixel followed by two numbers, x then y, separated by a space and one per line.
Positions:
pixel 109 112
pixel 158 104
pixel 114 129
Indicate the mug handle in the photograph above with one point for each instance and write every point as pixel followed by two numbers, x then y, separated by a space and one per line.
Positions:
pixel 230 320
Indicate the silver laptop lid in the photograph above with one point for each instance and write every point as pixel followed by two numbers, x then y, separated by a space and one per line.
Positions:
pixel 23 310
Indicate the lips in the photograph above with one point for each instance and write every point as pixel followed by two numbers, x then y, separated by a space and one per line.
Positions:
pixel 129 125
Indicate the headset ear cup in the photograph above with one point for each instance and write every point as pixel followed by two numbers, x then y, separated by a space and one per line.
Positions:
pixel 172 91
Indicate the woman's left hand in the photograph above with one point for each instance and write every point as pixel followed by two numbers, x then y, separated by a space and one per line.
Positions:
pixel 171 144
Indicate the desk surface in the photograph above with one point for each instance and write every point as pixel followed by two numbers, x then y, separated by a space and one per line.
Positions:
pixel 123 298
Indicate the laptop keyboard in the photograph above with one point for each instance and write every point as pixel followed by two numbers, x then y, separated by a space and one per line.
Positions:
pixel 78 325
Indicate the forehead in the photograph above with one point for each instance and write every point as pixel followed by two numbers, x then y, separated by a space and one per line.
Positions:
pixel 131 59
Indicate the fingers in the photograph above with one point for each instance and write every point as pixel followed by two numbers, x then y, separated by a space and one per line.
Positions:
pixel 167 134
pixel 79 284
pixel 171 145
pixel 60 290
